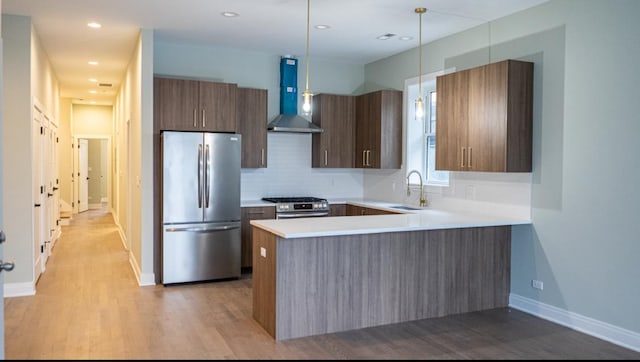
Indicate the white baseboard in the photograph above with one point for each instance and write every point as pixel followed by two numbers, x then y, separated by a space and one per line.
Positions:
pixel 608 332
pixel 95 206
pixel 19 289
pixel 143 279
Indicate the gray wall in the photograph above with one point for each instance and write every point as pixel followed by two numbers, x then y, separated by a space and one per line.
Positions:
pixel 1 206
pixel 16 113
pixel 584 241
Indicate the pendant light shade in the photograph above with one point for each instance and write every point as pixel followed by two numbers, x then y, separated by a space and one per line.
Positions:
pixel 419 111
pixel 306 95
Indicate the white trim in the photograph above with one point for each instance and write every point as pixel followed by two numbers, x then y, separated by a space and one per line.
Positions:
pixel 76 185
pixel 143 279
pixel 608 332
pixel 19 289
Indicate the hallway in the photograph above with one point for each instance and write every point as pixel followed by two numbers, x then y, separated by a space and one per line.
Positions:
pixel 89 306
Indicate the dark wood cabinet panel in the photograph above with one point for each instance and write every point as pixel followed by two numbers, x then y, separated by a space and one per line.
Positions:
pixel 353 210
pixel 416 275
pixel 334 147
pixel 248 214
pixel 218 106
pixel 192 105
pixel 484 117
pixel 379 130
pixel 252 125
pixel 176 104
pixel 337 210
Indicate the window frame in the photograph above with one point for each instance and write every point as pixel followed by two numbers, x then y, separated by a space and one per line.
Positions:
pixel 410 149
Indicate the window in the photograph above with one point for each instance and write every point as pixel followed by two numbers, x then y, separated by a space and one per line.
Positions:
pixel 421 136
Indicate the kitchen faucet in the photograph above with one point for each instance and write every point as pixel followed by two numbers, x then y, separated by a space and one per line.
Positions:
pixel 423 201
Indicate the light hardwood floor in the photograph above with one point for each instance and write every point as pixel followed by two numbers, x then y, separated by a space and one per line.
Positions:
pixel 88 306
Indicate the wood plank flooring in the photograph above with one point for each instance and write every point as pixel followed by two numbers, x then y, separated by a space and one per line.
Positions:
pixel 88 306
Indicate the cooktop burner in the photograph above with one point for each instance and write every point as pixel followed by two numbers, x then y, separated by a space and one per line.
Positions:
pixel 292 199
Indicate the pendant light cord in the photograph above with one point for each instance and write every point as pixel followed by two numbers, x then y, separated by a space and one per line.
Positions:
pixel 420 59
pixel 307 57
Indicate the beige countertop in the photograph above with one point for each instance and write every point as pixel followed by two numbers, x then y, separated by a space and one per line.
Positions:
pixel 409 220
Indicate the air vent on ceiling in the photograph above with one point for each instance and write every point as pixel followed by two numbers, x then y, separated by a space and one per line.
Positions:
pixel 105 84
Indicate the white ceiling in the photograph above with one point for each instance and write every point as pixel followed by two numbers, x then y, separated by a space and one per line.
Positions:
pixel 271 26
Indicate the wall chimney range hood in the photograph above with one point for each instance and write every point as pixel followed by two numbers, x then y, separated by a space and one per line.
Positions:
pixel 288 120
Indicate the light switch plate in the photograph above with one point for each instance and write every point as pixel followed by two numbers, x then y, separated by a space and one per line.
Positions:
pixel 263 252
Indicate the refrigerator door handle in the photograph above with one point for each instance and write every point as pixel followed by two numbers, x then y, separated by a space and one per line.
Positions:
pixel 203 229
pixel 199 176
pixel 207 181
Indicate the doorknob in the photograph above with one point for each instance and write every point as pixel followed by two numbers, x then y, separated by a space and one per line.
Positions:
pixel 3 237
pixel 8 266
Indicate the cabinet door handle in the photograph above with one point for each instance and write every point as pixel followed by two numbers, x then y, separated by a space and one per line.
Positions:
pixel 195 118
pixel 364 157
pixel 368 157
pixel 470 157
pixel 464 151
pixel 204 119
pixel 262 156
pixel 326 154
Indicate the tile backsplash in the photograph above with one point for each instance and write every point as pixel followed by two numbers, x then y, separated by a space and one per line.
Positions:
pixel 289 173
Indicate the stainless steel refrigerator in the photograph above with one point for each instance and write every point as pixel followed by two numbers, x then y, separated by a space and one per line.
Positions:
pixel 200 206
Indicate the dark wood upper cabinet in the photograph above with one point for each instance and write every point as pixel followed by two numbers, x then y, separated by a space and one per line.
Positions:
pixel 192 105
pixel 484 118
pixel 379 130
pixel 334 147
pixel 252 125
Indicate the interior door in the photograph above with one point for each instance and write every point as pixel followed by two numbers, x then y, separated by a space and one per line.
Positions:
pixel 83 178
pixel 38 193
pixel 47 192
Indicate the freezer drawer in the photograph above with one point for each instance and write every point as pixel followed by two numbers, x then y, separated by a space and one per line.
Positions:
pixel 200 252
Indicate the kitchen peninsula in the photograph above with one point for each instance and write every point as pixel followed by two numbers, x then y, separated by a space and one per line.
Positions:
pixel 322 275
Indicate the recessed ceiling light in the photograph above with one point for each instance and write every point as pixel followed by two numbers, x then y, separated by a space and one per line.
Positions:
pixel 322 26
pixel 385 36
pixel 229 14
pixel 93 91
pixel 93 102
pixel 405 38
pixel 93 80
pixel 93 62
pixel 94 25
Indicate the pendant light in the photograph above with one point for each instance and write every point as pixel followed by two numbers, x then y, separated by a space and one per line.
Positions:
pixel 419 103
pixel 306 96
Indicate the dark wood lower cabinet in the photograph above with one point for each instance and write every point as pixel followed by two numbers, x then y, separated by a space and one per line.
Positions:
pixel 318 285
pixel 248 214
pixel 337 210
pixel 353 210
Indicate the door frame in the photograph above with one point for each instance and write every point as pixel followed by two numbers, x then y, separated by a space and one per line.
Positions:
pixel 76 159
pixel 83 175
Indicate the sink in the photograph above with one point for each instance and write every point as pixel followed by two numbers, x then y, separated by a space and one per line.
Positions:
pixel 402 207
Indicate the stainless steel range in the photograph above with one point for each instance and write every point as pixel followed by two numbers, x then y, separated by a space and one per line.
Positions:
pixel 294 207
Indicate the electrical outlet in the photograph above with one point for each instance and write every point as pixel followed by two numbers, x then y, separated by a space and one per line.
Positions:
pixel 536 284
pixel 263 252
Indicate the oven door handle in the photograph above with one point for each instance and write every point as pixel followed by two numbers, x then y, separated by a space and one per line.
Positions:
pixel 301 214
